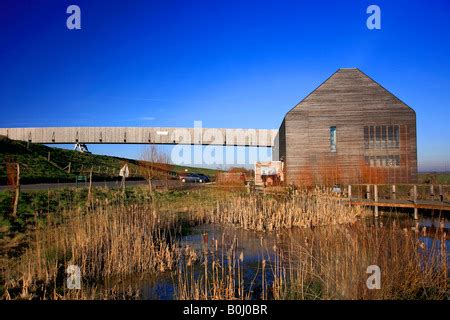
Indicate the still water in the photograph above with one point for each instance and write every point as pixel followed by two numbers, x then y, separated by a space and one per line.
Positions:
pixel 256 246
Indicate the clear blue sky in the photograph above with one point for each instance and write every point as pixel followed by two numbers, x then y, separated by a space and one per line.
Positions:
pixel 227 63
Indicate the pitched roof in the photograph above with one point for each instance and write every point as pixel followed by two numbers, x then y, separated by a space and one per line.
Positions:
pixel 348 85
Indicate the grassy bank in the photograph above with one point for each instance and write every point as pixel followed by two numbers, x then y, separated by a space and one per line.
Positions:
pixel 43 164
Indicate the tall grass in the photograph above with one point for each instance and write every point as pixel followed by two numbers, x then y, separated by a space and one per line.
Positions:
pixel 114 238
pixel 331 263
pixel 218 273
pixel 305 208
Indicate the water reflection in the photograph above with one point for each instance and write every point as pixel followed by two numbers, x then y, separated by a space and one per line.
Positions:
pixel 255 246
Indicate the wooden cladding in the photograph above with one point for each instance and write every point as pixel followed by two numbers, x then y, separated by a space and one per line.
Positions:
pixel 349 130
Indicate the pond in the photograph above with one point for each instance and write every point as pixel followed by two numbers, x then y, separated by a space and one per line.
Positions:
pixel 253 247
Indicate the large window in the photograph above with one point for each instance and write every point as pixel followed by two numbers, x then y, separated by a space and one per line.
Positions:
pixel 382 137
pixel 333 139
pixel 383 161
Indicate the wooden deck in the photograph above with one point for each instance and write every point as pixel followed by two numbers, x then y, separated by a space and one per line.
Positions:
pixel 419 204
pixel 431 197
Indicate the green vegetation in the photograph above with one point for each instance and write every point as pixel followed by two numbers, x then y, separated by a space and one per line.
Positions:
pixel 36 167
pixel 434 178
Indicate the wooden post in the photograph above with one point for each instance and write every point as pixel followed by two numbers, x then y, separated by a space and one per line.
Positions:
pixel 431 191
pixel 375 194
pixel 70 166
pixel 48 157
pixel 368 192
pixel 393 192
pixel 349 193
pixel 441 194
pixel 89 199
pixel 416 211
pixel 17 191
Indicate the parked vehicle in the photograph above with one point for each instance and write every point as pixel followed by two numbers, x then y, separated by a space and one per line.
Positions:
pixel 204 177
pixel 194 177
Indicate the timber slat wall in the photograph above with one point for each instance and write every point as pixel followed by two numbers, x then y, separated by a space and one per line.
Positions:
pixel 348 100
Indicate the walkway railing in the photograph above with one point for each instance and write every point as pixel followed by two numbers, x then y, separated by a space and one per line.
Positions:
pixel 416 196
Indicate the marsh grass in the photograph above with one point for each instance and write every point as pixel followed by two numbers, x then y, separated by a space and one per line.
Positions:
pixel 216 274
pixel 306 208
pixel 116 236
pixel 331 263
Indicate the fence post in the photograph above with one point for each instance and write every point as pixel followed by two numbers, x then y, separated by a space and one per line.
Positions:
pixel 368 192
pixel 393 192
pixel 375 194
pixel 89 198
pixel 16 190
pixel 441 194
pixel 432 191
pixel 349 193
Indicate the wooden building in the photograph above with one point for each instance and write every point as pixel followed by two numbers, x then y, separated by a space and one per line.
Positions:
pixel 349 130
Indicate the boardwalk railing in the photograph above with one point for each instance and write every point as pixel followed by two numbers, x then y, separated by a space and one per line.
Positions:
pixel 416 196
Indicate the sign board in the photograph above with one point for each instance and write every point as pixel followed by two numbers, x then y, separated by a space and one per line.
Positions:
pixel 124 172
pixel 272 170
pixel 268 171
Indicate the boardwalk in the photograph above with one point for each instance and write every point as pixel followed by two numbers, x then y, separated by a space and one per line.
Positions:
pixel 423 197
pixel 420 204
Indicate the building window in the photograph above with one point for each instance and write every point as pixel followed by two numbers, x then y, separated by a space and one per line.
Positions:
pixel 382 137
pixel 383 161
pixel 333 139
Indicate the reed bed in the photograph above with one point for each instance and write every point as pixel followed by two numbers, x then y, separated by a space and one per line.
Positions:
pixel 305 208
pixel 113 238
pixel 331 263
pixel 217 274
pixel 110 241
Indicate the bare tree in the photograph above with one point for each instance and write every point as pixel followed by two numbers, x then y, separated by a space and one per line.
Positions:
pixel 154 165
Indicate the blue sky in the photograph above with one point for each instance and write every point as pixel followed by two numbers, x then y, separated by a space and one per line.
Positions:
pixel 227 63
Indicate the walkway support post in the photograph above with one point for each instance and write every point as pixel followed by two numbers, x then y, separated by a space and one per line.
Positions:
pixel 416 210
pixel 375 194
